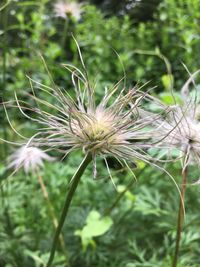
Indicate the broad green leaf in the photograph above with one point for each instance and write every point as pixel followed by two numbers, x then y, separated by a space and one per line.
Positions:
pixel 95 226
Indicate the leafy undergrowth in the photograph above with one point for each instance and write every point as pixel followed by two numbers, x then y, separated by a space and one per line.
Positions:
pixel 138 231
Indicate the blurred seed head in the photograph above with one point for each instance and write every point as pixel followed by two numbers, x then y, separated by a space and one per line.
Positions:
pixel 29 158
pixel 181 127
pixel 65 9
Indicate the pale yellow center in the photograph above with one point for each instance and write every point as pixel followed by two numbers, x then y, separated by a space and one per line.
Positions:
pixel 98 130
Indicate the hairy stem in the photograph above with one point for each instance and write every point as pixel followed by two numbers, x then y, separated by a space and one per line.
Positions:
pixel 75 181
pixel 180 217
pixel 52 214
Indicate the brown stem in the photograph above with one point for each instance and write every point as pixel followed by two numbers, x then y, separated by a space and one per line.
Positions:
pixel 52 214
pixel 180 217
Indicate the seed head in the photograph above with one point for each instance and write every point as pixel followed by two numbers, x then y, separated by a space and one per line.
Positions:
pixel 65 9
pixel 29 158
pixel 109 127
pixel 181 127
pixel 101 130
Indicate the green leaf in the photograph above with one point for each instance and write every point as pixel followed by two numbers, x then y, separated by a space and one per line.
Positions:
pixel 95 226
pixel 168 99
pixel 128 194
pixel 167 81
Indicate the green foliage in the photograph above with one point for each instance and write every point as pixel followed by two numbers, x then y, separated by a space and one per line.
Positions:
pixel 143 222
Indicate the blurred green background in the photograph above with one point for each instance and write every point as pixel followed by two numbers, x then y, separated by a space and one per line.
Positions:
pixel 149 40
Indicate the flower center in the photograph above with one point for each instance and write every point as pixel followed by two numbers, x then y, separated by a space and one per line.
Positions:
pixel 96 131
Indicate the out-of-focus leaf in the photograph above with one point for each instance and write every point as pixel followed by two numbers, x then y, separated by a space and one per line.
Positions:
pixel 95 226
pixel 167 81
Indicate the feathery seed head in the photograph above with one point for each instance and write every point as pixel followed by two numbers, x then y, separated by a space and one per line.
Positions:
pixel 64 9
pixel 181 128
pixel 111 127
pixel 29 158
pixel 100 129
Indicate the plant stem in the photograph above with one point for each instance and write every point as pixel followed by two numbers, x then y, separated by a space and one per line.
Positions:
pixel 75 181
pixel 4 70
pixel 52 214
pixel 120 196
pixel 180 217
pixel 64 34
pixel 4 45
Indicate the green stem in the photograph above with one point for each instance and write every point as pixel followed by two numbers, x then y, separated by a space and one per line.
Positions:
pixel 52 214
pixel 120 196
pixel 180 217
pixel 64 34
pixel 4 70
pixel 75 181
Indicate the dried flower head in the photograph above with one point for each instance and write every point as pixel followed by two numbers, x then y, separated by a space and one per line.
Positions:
pixel 29 158
pixel 65 9
pixel 181 127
